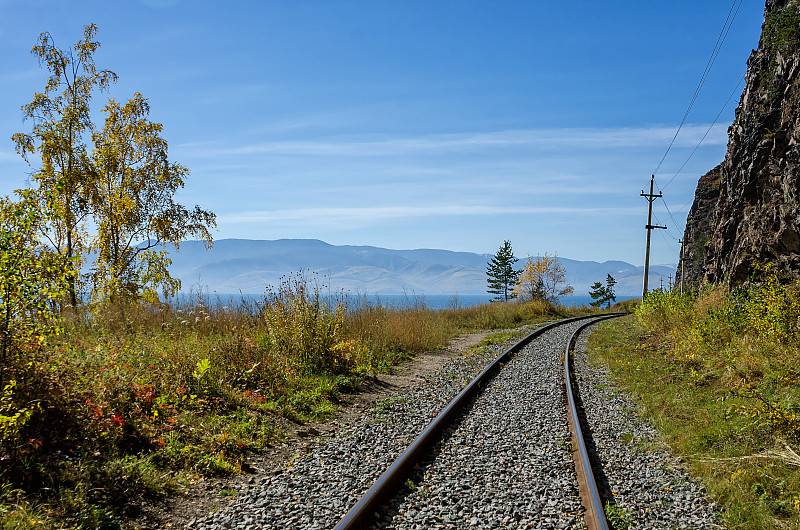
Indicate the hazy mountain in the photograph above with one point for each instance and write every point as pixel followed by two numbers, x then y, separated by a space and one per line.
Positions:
pixel 248 266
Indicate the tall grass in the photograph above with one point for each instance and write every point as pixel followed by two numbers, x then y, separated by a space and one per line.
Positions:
pixel 130 400
pixel 718 372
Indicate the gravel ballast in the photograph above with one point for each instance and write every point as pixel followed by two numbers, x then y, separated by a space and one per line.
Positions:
pixel 506 462
pixel 648 484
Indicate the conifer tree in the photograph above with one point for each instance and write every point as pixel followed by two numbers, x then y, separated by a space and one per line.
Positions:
pixel 603 294
pixel 501 274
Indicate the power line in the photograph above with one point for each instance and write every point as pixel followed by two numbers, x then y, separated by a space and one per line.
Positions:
pixel 735 90
pixel 716 119
pixel 669 243
pixel 651 197
pixel 667 228
pixel 691 199
pixel 677 227
pixel 714 53
pixel 665 233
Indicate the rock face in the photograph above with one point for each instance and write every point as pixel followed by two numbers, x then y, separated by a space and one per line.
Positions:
pixel 757 216
pixel 699 226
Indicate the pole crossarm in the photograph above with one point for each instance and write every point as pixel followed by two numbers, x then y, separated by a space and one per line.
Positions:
pixel 649 227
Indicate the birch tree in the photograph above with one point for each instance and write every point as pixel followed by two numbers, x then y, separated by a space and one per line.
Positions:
pixel 132 189
pixel 543 278
pixel 61 118
pixel 122 191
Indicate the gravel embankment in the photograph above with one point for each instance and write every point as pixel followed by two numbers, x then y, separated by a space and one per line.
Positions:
pixel 506 463
pixel 328 477
pixel 648 485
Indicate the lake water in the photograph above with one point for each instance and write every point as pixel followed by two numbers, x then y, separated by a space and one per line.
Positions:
pixel 431 301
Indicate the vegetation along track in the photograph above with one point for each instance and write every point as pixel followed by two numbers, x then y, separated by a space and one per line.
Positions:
pixel 500 459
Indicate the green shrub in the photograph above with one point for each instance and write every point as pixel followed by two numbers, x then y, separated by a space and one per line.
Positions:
pixel 717 372
pixel 301 325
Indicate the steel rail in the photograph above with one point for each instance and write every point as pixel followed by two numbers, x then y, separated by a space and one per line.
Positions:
pixel 362 514
pixel 595 516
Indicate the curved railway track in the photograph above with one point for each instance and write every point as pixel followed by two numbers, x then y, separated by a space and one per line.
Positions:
pixel 506 459
pixel 399 475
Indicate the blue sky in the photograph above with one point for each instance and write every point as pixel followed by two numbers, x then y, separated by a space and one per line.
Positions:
pixel 414 124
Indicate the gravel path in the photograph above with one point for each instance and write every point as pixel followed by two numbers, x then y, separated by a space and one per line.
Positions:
pixel 508 462
pixel 330 476
pixel 648 485
pixel 508 466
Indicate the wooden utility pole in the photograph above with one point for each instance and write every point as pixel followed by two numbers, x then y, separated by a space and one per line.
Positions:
pixel 649 226
pixel 680 242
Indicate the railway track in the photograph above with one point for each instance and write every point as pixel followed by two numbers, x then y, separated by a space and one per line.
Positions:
pixel 500 455
pixel 405 489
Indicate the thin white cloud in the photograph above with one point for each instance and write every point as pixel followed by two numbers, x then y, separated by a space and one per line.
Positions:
pixel 331 215
pixel 9 155
pixel 8 78
pixel 477 186
pixel 535 139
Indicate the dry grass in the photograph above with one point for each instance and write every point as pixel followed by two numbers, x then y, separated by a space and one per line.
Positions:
pixel 130 401
pixel 717 373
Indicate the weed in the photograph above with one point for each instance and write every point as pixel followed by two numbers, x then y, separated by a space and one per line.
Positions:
pixel 12 417
pixel 200 372
pixel 501 338
pixel 620 518
pixel 93 517
pixel 16 512
pixel 386 406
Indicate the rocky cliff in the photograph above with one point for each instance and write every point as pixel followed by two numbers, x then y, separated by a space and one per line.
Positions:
pixel 699 226
pixel 756 219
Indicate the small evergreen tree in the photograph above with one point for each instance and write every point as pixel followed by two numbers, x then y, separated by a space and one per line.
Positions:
pixel 610 283
pixel 501 274
pixel 603 294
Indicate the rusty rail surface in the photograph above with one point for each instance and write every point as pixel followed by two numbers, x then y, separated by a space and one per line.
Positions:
pixel 362 514
pixel 595 516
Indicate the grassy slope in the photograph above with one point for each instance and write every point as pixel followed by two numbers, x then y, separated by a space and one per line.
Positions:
pixel 132 402
pixel 717 373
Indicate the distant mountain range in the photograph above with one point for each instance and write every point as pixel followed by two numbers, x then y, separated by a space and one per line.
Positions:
pixel 245 266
